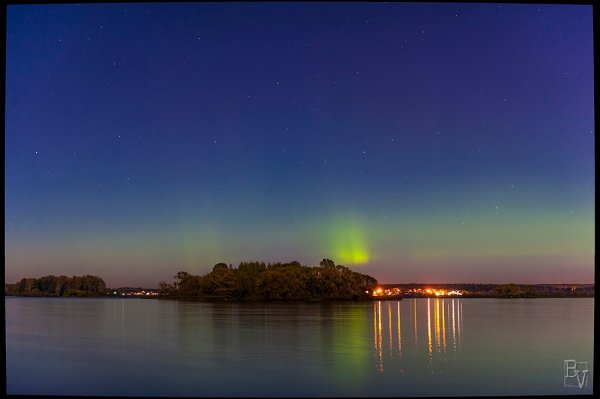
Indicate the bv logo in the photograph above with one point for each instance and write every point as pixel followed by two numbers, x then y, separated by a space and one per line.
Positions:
pixel 576 374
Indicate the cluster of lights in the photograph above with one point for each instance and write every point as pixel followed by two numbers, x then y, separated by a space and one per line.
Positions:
pixel 431 291
pixel 386 292
pixel 137 293
pixel 434 292
pixel 422 291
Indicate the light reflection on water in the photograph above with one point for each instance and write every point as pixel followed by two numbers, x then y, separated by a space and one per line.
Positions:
pixel 413 347
pixel 437 311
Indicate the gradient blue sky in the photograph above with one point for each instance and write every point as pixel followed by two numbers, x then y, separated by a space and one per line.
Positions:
pixel 412 142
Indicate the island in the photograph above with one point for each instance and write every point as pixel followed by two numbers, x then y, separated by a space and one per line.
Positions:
pixel 258 281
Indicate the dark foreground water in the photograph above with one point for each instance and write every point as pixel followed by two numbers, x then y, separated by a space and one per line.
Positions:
pixel 412 347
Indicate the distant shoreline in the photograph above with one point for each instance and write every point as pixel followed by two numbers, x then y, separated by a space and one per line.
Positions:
pixel 293 301
pixel 286 282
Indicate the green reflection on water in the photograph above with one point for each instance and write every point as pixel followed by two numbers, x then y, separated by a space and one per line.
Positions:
pixel 349 332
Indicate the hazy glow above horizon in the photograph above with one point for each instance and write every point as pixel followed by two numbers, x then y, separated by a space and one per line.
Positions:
pixel 413 142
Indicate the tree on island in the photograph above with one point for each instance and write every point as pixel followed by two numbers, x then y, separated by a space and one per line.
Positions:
pixel 273 281
pixel 327 263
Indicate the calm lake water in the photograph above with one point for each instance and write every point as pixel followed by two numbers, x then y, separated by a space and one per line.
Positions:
pixel 412 347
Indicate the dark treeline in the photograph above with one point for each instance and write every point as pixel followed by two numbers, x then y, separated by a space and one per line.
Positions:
pixel 256 281
pixel 504 290
pixel 541 290
pixel 58 286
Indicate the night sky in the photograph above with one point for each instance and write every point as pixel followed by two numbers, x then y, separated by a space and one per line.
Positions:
pixel 412 142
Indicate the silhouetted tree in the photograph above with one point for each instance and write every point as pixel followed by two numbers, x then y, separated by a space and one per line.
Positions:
pixel 220 267
pixel 327 263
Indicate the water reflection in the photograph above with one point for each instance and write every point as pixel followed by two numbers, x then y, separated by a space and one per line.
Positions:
pixel 377 334
pixel 187 349
pixel 442 321
pixel 415 319
pixel 429 329
pixel 399 332
pixel 390 325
